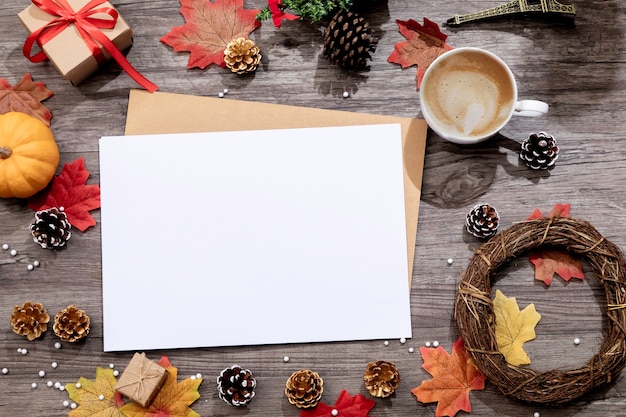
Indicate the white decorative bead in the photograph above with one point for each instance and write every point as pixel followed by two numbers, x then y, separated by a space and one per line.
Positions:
pixel 226 91
pixel 24 351
pixel 334 412
pixel 73 406
pixel 54 365
pixel 386 343
pixel 101 397
pixel 435 343
pixel 116 372
pixel 192 377
pixel 62 388
pixel 5 246
pixel 450 261
pixel 30 267
pixel 19 350
pixel 13 252
pixel 577 341
pixel 411 350
pixel 5 371
pixel 61 208
pixel 36 263
pixel 33 385
pixel 42 374
pixel 66 403
pixel 198 375
pixel 346 94
pixel 49 384
pixel 537 414
pixel 78 385
pixel 221 95
pixel 57 345
pixel 427 344
pixel 111 365
pixel 285 359
pixel 57 384
pixel 403 340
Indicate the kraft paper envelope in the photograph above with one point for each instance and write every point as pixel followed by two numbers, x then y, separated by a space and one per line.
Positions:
pixel 153 113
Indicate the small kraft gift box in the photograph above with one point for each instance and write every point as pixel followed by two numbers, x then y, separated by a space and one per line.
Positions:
pixel 78 36
pixel 141 380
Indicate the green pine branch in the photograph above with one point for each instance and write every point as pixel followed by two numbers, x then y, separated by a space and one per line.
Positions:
pixel 314 10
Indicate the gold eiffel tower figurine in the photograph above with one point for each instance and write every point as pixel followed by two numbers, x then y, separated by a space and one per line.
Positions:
pixel 518 7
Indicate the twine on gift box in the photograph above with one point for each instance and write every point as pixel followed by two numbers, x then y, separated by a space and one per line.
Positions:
pixel 476 320
pixel 146 374
pixel 89 27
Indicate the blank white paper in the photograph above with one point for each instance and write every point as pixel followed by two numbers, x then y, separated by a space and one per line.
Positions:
pixel 253 237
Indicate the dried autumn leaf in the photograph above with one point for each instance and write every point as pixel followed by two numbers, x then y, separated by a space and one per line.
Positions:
pixel 88 395
pixel 550 262
pixel 209 27
pixel 424 44
pixel 68 190
pixel 513 328
pixel 454 376
pixel 26 97
pixel 172 400
pixel 346 405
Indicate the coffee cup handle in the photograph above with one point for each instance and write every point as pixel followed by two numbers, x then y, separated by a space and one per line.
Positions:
pixel 531 108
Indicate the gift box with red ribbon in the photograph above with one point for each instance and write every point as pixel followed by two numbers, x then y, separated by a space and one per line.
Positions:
pixel 78 36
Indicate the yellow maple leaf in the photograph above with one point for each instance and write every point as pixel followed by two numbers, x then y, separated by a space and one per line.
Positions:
pixel 96 398
pixel 172 400
pixel 514 328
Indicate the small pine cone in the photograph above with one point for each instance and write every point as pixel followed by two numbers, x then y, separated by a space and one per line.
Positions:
pixel 381 378
pixel 348 41
pixel 304 388
pixel 30 320
pixel 71 324
pixel 539 151
pixel 51 229
pixel 236 385
pixel 482 221
pixel 242 55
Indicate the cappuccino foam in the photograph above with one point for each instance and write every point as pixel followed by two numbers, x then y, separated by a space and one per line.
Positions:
pixel 470 94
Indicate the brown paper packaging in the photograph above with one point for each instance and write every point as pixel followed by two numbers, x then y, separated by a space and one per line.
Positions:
pixel 142 379
pixel 67 51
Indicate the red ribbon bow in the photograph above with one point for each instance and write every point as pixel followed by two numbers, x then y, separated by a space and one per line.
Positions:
pixel 89 28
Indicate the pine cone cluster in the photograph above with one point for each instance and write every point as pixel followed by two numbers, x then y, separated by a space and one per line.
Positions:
pixel 242 55
pixel 304 388
pixel 348 41
pixel 482 221
pixel 51 229
pixel 381 378
pixel 236 385
pixel 30 320
pixel 71 324
pixel 539 151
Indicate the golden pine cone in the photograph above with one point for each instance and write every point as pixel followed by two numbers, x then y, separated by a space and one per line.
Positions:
pixel 304 388
pixel 30 320
pixel 381 378
pixel 242 55
pixel 71 324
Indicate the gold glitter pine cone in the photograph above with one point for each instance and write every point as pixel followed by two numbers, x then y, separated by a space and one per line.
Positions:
pixel 242 55
pixel 304 388
pixel 71 324
pixel 381 378
pixel 30 320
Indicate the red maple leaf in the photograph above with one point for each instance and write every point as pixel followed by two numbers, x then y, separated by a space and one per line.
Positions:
pixel 26 97
pixel 210 27
pixel 68 190
pixel 454 376
pixel 346 406
pixel 550 262
pixel 423 45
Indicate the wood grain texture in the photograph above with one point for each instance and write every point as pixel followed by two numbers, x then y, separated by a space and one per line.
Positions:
pixel 580 71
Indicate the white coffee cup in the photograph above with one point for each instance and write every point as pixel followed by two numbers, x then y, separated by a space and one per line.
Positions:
pixel 468 94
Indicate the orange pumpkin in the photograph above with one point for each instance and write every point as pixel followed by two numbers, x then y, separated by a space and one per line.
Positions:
pixel 29 155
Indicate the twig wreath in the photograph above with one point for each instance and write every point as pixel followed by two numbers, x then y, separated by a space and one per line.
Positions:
pixel 475 318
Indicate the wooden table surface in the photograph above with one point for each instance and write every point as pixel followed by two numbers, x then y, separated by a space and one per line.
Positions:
pixel 580 71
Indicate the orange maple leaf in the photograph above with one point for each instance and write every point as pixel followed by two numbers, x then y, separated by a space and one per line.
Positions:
pixel 26 97
pixel 172 400
pixel 454 376
pixel 549 262
pixel 210 27
pixel 87 394
pixel 424 44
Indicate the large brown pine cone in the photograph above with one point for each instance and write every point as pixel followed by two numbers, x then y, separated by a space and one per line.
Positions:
pixel 381 378
pixel 71 324
pixel 304 388
pixel 236 385
pixel 348 41
pixel 30 320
